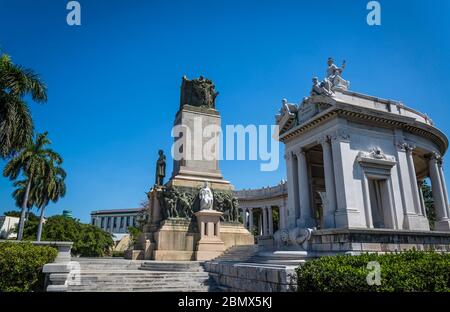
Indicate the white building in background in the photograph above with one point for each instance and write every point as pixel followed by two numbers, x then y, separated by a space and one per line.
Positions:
pixel 115 221
pixel 7 225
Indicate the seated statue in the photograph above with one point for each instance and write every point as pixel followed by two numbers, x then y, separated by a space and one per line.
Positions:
pixel 334 75
pixel 322 87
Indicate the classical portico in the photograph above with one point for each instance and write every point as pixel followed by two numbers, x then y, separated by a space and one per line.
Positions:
pixel 355 161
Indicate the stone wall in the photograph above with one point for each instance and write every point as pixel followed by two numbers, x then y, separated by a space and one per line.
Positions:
pixel 377 240
pixel 242 277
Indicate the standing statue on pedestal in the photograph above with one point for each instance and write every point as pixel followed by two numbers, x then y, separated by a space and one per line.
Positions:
pixel 206 198
pixel 160 168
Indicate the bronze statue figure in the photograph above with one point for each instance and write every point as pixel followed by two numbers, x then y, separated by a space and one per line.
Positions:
pixel 199 92
pixel 160 168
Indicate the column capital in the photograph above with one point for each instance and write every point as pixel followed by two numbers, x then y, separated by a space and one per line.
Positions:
pixel 325 140
pixel 288 155
pixel 435 156
pixel 340 135
pixel 405 147
pixel 300 152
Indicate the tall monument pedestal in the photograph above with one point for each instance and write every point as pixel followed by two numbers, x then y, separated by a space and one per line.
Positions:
pixel 174 231
pixel 198 161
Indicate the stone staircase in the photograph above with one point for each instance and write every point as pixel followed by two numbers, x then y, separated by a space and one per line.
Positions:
pixel 253 254
pixel 119 275
pixel 240 253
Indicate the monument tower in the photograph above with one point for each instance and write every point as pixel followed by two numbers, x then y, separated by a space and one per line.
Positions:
pixel 179 227
pixel 197 125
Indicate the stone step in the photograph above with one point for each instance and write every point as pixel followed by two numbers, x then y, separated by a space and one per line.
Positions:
pixel 108 275
pixel 190 266
pixel 238 253
pixel 141 290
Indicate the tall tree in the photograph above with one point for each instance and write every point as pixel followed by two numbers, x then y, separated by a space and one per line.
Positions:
pixel 16 124
pixel 31 163
pixel 19 195
pixel 49 187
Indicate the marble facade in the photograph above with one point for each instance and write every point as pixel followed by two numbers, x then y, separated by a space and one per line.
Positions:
pixel 357 161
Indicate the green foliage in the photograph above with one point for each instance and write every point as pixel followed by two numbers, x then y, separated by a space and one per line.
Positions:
pixel 135 232
pixel 88 240
pixel 21 266
pixel 16 124
pixel 429 204
pixel 118 254
pixel 44 178
pixel 409 271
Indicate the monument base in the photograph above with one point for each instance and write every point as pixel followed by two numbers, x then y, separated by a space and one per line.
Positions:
pixel 177 240
pixel 377 240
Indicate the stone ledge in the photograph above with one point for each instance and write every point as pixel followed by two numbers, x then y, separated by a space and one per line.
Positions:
pixel 250 277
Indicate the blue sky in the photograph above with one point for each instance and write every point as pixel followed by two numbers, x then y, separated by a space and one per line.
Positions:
pixel 114 81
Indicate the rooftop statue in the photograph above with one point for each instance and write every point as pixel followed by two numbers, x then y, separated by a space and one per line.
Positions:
pixel 334 75
pixel 322 87
pixel 200 92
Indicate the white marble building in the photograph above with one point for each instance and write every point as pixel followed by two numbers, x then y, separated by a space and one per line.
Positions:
pixel 115 221
pixel 359 161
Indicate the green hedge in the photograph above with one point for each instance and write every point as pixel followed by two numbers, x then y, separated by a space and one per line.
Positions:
pixel 400 272
pixel 21 266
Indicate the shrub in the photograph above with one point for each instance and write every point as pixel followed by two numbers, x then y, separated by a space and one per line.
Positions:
pixel 400 272
pixel 134 235
pixel 118 254
pixel 88 240
pixel 21 266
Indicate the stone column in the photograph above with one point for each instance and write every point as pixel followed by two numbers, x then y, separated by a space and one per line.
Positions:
pixel 250 220
pixel 292 185
pixel 422 200
pixel 442 221
pixel 444 187
pixel 282 213
pixel 260 225
pixel 265 225
pixel 282 223
pixel 413 178
pixel 306 219
pixel 111 225
pixel 270 220
pixel 330 205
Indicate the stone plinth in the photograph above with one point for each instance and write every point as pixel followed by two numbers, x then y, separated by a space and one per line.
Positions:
pixel 210 245
pixel 235 234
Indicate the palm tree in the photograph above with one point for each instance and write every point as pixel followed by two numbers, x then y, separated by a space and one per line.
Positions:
pixel 49 187
pixel 16 124
pixel 30 162
pixel 19 195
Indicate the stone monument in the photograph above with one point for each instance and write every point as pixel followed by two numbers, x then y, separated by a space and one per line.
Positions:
pixel 196 162
pixel 196 198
